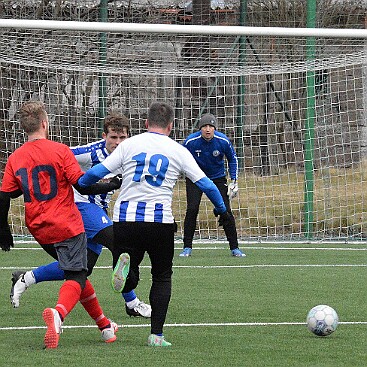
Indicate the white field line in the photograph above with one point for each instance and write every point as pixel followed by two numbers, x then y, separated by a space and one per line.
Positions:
pixel 243 247
pixel 226 266
pixel 204 324
pixel 238 266
pixel 215 267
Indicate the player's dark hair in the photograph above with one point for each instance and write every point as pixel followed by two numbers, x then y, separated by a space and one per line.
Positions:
pixel 160 114
pixel 31 114
pixel 116 122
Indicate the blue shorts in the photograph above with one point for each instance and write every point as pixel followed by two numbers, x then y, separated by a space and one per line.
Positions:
pixel 95 219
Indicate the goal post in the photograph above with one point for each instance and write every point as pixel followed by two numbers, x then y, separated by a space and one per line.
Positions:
pixel 297 181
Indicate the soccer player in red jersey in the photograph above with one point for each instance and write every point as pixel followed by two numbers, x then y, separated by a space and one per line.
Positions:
pixel 44 171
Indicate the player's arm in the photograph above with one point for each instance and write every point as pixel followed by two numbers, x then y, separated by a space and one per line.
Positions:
pixel 206 185
pixel 6 238
pixel 232 159
pixel 93 175
pixel 233 171
pixel 74 174
pixel 100 187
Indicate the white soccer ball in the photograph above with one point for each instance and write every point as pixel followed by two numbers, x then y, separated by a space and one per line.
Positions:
pixel 322 320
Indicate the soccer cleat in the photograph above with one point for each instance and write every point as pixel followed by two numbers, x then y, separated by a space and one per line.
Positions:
pixel 157 341
pixel 108 334
pixel 120 273
pixel 237 253
pixel 186 252
pixel 18 287
pixel 53 322
pixel 141 309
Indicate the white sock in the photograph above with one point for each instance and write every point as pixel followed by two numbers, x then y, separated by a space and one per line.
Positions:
pixel 29 278
pixel 133 303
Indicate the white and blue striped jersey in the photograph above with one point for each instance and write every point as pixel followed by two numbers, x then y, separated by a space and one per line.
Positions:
pixel 209 155
pixel 148 178
pixel 88 156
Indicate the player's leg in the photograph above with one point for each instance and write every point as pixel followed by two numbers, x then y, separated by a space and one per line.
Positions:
pixel 193 198
pixel 22 279
pixel 99 230
pixel 157 239
pixel 161 261
pixel 72 257
pixel 134 306
pixel 229 227
pixel 90 302
pixel 127 242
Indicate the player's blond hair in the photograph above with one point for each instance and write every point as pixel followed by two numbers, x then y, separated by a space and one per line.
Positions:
pixel 31 114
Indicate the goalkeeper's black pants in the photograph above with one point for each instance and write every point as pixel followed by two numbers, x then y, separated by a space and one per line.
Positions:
pixel 193 198
pixel 157 239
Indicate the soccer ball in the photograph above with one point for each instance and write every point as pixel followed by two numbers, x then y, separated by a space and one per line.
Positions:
pixel 322 320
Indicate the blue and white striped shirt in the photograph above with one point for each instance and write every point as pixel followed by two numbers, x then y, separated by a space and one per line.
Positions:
pixel 88 156
pixel 150 164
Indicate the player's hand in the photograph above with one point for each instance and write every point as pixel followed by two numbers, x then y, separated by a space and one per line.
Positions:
pixel 232 189
pixel 6 239
pixel 116 182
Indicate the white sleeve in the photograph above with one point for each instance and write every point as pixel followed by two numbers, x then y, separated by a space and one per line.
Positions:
pixel 114 161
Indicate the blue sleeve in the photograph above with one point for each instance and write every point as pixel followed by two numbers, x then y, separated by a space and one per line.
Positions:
pixel 232 162
pixel 93 175
pixel 211 191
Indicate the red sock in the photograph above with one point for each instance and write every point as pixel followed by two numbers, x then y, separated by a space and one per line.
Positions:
pixel 69 295
pixel 90 302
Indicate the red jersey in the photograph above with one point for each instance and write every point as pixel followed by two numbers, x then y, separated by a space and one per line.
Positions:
pixel 45 170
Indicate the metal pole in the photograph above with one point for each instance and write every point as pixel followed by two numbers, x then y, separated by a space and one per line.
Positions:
pixel 241 90
pixel 310 126
pixel 102 91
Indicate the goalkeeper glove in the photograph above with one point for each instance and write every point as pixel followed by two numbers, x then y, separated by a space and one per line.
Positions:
pixel 6 238
pixel 232 189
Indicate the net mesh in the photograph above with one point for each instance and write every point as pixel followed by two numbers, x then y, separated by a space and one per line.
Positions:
pixel 257 88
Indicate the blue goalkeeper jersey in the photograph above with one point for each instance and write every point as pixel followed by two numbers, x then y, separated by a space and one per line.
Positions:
pixel 210 154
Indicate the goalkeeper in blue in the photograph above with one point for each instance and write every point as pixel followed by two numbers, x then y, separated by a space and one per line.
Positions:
pixel 209 147
pixel 150 164
pixel 97 224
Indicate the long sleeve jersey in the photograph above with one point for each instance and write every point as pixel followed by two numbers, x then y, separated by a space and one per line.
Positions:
pixel 209 155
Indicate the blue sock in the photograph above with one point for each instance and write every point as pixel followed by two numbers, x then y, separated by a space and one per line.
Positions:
pixel 129 296
pixel 48 272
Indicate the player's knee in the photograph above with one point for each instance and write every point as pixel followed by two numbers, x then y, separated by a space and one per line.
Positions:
pixel 163 277
pixel 92 259
pixel 78 276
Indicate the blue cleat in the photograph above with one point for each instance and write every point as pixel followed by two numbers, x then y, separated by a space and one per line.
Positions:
pixel 237 253
pixel 186 252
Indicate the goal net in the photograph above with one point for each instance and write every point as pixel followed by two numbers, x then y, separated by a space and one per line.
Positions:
pixel 293 106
